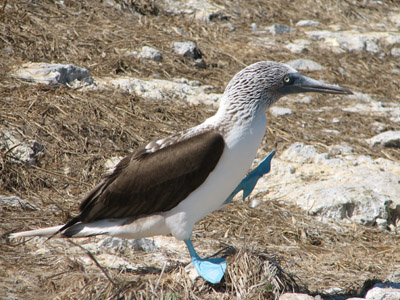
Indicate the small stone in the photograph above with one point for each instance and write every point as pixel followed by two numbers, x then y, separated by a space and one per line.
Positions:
pixel 280 111
pixel 295 296
pixel 298 46
pixel 111 163
pixel 307 23
pixel 187 49
pixel 381 223
pixel 150 53
pixel 299 153
pixel 305 65
pixel 385 139
pixel 395 52
pixel 278 29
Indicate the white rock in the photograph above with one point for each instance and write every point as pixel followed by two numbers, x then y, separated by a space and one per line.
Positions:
pixel 353 40
pixel 122 245
pixel 307 23
pixel 395 52
pixel 378 293
pixel 201 10
pixel 26 151
pixel 338 188
pixel 187 49
pixel 394 17
pixel 280 111
pixel 305 65
pixel 150 53
pixel 298 46
pixel 158 89
pixel 278 29
pixel 14 201
pixel 50 74
pixel 386 139
pixel 295 296
pixel 299 153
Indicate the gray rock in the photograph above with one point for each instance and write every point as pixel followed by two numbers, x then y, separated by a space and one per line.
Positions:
pixel 51 74
pixel 305 65
pixel 280 111
pixel 16 202
pixel 386 139
pixel 158 89
pixel 307 23
pixel 187 49
pixel 19 149
pixel 394 17
pixel 298 46
pixel 150 53
pixel 278 29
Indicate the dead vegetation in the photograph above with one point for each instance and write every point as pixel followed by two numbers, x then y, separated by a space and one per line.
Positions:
pixel 80 130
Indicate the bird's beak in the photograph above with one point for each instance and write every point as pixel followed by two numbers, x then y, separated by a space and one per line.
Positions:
pixel 304 84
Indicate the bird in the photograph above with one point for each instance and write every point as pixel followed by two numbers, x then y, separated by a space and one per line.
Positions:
pixel 170 184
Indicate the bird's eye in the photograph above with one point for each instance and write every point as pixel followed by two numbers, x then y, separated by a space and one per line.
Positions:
pixel 287 79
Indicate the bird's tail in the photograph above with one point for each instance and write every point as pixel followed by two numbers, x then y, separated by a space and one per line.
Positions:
pixel 49 231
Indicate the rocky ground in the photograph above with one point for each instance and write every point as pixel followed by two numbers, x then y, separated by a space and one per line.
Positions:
pixel 84 83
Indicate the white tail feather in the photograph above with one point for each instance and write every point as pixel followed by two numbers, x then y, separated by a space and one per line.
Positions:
pixel 38 232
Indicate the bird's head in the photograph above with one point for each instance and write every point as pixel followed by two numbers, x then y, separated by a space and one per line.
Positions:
pixel 263 83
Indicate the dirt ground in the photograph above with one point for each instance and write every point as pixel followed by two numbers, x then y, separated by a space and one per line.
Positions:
pixel 81 129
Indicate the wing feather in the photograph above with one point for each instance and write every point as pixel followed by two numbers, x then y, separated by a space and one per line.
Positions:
pixel 151 182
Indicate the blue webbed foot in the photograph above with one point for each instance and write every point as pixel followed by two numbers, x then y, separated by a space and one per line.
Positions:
pixel 211 269
pixel 250 181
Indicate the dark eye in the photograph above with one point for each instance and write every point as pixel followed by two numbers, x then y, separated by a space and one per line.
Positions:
pixel 288 80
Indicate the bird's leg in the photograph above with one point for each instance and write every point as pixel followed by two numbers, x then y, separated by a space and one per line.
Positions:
pixel 211 269
pixel 250 181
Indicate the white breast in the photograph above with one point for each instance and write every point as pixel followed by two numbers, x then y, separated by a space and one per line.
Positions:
pixel 241 147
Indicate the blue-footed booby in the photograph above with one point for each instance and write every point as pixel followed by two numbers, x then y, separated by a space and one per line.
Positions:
pixel 172 183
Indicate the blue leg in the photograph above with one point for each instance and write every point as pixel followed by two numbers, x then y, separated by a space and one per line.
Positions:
pixel 250 181
pixel 211 269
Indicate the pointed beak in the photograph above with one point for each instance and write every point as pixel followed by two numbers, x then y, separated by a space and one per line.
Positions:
pixel 304 84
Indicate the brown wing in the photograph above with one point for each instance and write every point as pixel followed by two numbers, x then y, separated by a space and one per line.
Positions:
pixel 150 182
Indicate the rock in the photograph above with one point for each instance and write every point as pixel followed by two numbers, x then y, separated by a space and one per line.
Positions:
pixel 296 296
pixel 343 187
pixel 299 153
pixel 201 10
pixel 187 49
pixel 307 23
pixel 298 46
pixel 16 202
pixel 111 163
pixel 395 52
pixel 51 74
pixel 305 65
pixel 280 111
pixel 278 29
pixel 158 89
pixel 394 17
pixel 150 53
pixel 353 40
pixel 380 292
pixel 385 139
pixel 19 149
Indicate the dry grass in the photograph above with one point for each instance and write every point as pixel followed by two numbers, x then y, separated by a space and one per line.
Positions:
pixel 80 130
